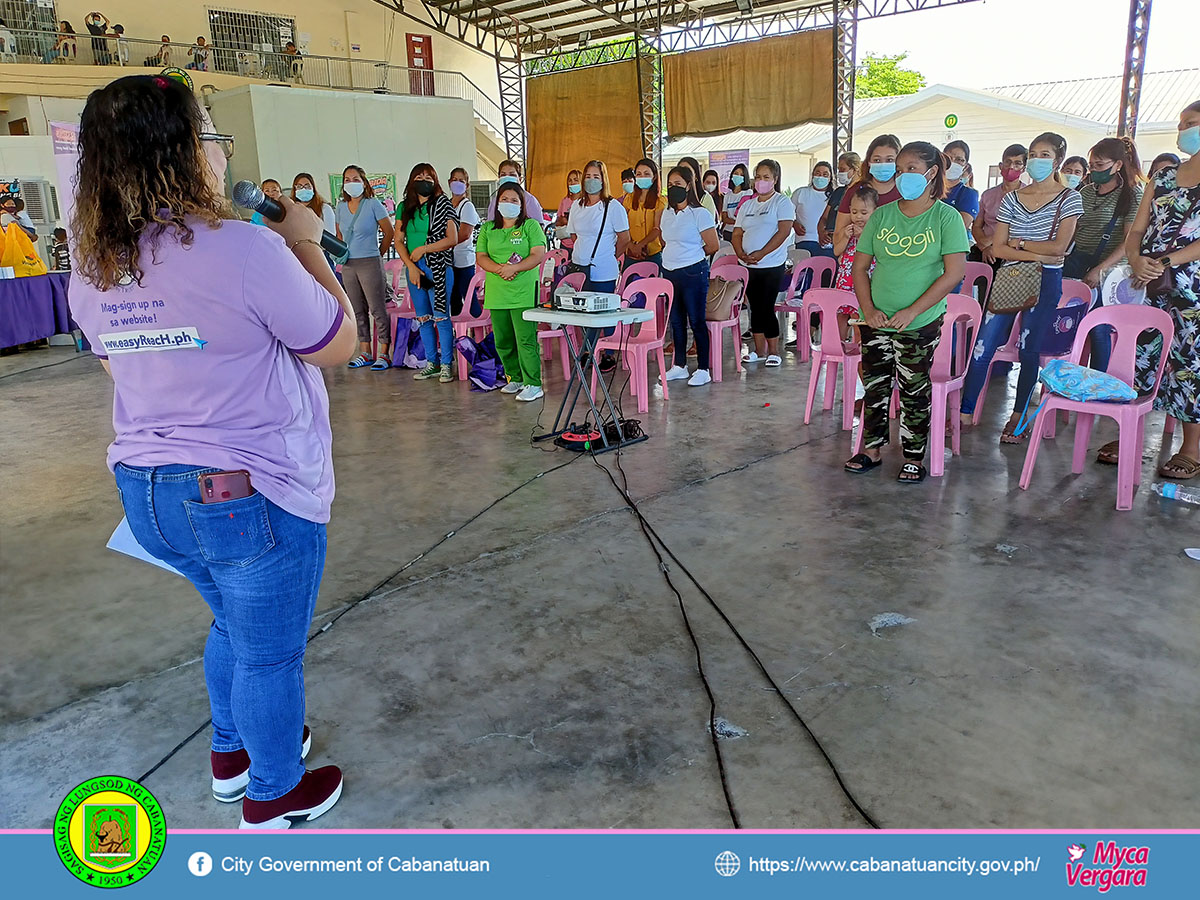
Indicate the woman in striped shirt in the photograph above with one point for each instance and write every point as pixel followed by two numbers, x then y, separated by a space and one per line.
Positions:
pixel 1026 231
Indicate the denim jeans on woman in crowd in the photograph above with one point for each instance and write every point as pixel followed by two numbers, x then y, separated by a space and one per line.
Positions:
pixel 258 568
pixel 437 335
pixel 691 301
pixel 994 332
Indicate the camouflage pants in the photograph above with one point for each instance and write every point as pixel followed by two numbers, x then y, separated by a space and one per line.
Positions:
pixel 903 357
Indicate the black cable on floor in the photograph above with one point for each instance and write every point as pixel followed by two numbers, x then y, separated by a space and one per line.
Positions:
pixel 649 531
pixel 46 366
pixel 412 562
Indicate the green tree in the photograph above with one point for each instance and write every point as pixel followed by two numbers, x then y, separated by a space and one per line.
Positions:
pixel 880 75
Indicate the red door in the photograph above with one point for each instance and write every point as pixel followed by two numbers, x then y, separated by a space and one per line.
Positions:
pixel 420 56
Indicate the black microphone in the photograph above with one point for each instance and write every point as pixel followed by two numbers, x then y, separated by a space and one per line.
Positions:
pixel 249 195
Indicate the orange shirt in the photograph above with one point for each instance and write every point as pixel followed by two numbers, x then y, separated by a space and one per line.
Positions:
pixel 641 222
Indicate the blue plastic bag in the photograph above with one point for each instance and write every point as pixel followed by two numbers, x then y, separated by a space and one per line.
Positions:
pixel 485 370
pixel 1076 382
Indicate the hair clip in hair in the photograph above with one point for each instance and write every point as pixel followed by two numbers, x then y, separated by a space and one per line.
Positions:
pixel 160 81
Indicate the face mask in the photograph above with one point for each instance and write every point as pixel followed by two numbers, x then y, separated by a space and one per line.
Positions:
pixel 353 188
pixel 507 179
pixel 458 188
pixel 843 178
pixel 424 188
pixel 820 182
pixel 628 186
pixel 912 185
pixel 1040 168
pixel 883 171
pixel 574 188
pixel 737 180
pixel 509 210
pixel 676 194
pixel 592 185
pixel 1189 140
pixel 955 171
pixel 1099 177
pixel 644 183
pixel 304 195
pixel 764 185
pixel 710 188
pixel 1073 181
pixel 1011 174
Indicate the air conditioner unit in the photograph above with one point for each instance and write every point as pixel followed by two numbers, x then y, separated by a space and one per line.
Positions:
pixel 41 201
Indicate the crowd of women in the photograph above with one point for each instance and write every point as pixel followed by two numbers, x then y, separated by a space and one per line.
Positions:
pixel 901 222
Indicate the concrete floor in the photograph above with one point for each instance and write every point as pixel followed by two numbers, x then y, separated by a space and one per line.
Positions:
pixel 533 670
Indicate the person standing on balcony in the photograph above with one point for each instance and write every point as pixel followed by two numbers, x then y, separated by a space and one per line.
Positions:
pixel 199 55
pixel 468 232
pixel 122 45
pixel 360 217
pixel 97 24
pixel 510 173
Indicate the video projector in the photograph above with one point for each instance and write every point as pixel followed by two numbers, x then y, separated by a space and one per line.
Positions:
pixel 586 301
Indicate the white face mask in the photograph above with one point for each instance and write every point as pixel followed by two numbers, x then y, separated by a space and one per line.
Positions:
pixel 843 178
pixel 955 171
pixel 353 188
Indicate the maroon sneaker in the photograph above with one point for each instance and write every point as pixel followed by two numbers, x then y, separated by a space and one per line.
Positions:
pixel 231 771
pixel 314 796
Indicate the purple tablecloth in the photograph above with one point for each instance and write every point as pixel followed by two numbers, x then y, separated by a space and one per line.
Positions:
pixel 34 308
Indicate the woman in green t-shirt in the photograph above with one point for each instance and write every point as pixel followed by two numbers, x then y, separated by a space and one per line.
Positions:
pixel 510 250
pixel 919 249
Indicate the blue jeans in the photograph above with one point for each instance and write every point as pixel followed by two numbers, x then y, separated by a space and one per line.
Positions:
pixel 258 568
pixel 437 335
pixel 602 287
pixel 462 281
pixel 814 248
pixel 994 332
pixel 691 300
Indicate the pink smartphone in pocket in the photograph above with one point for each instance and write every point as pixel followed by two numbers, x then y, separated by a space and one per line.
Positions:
pixel 219 487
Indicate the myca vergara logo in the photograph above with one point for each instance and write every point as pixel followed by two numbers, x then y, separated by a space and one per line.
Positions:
pixel 109 831
pixel 1110 866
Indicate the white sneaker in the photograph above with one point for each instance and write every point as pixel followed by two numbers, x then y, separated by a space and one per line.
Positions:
pixel 512 387
pixel 699 377
pixel 675 373
pixel 531 392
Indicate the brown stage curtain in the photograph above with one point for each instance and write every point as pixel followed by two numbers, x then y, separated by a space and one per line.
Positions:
pixel 579 115
pixel 777 82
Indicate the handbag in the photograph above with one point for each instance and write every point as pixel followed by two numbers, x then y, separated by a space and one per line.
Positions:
pixel 722 294
pixel 1017 286
pixel 1076 382
pixel 574 267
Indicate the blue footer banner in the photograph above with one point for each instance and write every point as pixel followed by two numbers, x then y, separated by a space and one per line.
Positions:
pixel 109 844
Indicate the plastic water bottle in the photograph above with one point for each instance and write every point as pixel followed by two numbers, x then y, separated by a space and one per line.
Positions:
pixel 1172 491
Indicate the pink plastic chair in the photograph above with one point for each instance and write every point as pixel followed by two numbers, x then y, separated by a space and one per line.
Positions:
pixel 638 341
pixel 550 263
pixel 729 259
pixel 733 324
pixel 546 335
pixel 467 322
pixel 1127 323
pixel 636 271
pixel 832 352
pixel 977 272
pixel 824 273
pixel 403 309
pixel 949 373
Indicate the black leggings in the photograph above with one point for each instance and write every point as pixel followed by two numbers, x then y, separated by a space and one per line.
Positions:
pixel 761 293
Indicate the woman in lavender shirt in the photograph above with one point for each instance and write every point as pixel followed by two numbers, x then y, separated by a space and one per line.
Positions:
pixel 212 331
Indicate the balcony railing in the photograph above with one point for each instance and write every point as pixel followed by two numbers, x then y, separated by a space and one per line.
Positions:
pixel 376 76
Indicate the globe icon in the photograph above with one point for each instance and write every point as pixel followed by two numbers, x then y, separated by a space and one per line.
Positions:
pixel 727 863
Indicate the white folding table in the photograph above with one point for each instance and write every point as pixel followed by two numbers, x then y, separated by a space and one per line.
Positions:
pixel 592 324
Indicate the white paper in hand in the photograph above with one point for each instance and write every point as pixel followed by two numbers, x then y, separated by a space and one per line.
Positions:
pixel 123 541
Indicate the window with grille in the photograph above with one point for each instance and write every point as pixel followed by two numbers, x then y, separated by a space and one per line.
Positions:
pixel 246 42
pixel 30 15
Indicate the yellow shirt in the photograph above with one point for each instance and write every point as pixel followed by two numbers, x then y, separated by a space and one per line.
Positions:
pixel 641 222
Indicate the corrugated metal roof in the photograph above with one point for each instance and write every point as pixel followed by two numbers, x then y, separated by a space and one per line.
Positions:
pixel 1164 94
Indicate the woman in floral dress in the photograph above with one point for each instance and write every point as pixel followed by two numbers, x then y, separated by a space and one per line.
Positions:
pixel 1165 237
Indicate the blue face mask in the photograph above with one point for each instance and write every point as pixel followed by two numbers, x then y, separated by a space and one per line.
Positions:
pixel 304 195
pixel 592 185
pixel 507 179
pixel 737 180
pixel 1189 140
pixel 643 183
pixel 883 171
pixel 509 210
pixel 1040 168
pixel 574 188
pixel 628 187
pixel 912 185
pixel 820 182
pixel 1073 181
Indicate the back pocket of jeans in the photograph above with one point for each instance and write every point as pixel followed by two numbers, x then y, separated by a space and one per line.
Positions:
pixel 233 533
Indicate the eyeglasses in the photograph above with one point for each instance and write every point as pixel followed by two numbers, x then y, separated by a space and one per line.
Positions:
pixel 225 140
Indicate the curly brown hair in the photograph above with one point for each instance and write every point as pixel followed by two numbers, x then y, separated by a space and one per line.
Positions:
pixel 142 172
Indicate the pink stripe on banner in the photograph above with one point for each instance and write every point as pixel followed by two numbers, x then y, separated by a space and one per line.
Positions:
pixel 642 831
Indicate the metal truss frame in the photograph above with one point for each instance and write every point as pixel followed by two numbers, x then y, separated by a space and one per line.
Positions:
pixel 1135 66
pixel 845 49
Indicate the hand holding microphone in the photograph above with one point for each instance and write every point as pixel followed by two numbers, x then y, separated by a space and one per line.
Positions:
pixel 293 221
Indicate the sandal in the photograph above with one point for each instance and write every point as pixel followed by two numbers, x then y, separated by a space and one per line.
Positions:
pixel 381 364
pixel 1009 435
pixel 1108 454
pixel 1179 468
pixel 359 362
pixel 773 361
pixel 860 463
pixel 911 473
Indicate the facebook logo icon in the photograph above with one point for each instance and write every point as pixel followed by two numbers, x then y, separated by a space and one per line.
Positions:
pixel 200 864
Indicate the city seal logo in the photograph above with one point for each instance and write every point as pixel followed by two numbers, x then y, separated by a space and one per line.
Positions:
pixel 109 831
